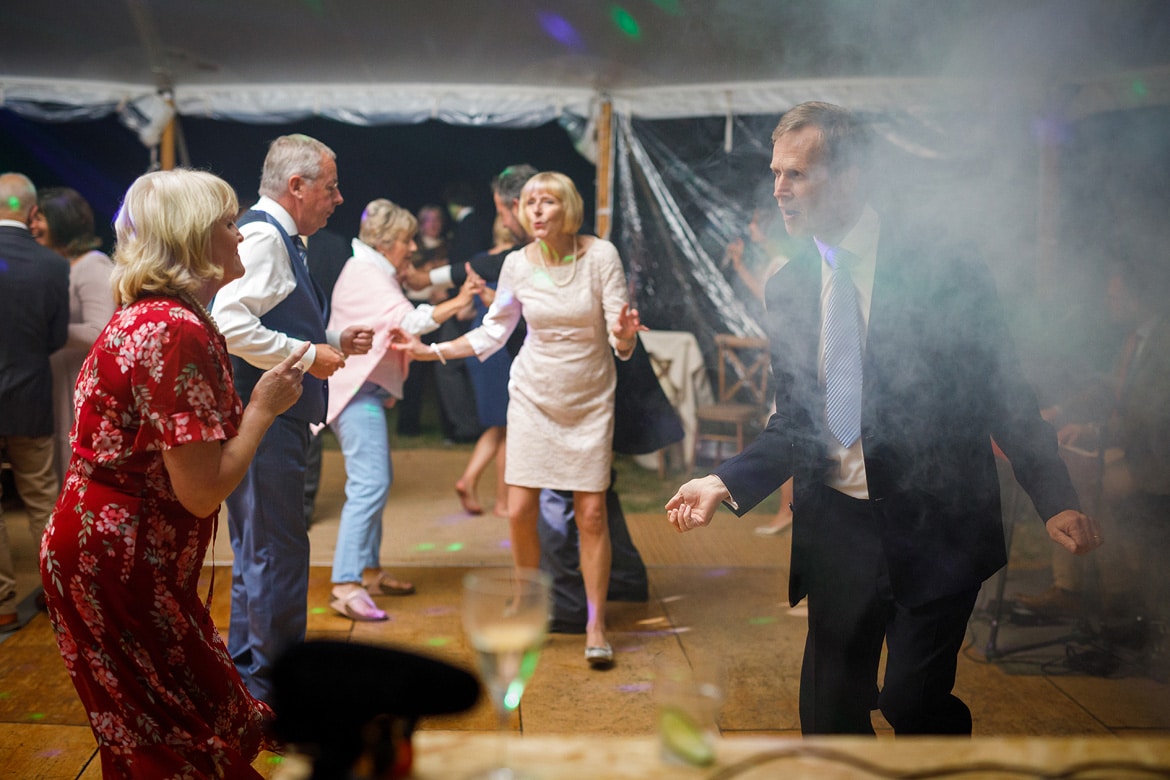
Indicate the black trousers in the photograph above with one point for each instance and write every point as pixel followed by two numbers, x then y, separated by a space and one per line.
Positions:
pixel 851 610
pixel 560 557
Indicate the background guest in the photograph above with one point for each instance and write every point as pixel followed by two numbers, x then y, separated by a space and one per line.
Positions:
pixel 489 379
pixel 471 233
pixel 161 439
pixel 63 222
pixel 1125 421
pixel 34 322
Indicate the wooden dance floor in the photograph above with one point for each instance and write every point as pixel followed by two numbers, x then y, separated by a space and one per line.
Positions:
pixel 716 595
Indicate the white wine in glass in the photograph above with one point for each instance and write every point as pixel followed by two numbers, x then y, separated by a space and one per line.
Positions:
pixel 505 615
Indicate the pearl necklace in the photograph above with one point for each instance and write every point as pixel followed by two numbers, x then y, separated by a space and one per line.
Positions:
pixel 201 309
pixel 548 268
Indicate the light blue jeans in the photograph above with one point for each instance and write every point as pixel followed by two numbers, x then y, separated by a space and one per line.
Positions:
pixel 361 431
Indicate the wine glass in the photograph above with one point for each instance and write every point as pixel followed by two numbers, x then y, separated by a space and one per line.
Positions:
pixel 505 616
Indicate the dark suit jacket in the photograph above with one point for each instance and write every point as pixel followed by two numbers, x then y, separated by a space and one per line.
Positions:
pixel 940 380
pixel 471 234
pixel 34 323
pixel 486 264
pixel 328 253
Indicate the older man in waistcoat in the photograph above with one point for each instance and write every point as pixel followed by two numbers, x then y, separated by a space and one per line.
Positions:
pixel 264 316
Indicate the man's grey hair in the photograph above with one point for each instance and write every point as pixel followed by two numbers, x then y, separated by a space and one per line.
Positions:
pixel 288 156
pixel 510 182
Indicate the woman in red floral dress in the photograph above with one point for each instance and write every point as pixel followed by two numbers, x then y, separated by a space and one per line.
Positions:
pixel 160 439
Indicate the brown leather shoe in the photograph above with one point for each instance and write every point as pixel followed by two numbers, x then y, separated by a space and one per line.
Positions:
pixel 1055 601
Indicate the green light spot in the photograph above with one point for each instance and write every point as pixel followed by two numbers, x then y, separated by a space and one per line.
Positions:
pixel 5 695
pixel 513 694
pixel 36 716
pixel 318 610
pixel 13 203
pixel 274 760
pixel 425 546
pixel 761 621
pixel 438 641
pixel 455 547
pixel 1139 88
pixel 625 22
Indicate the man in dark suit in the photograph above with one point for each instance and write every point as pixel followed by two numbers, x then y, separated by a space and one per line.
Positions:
pixel 328 252
pixel 471 234
pixel 896 519
pixel 34 323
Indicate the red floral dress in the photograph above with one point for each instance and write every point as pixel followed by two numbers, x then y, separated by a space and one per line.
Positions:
pixel 121 557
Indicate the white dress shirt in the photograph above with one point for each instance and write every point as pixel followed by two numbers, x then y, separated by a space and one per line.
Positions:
pixel 268 280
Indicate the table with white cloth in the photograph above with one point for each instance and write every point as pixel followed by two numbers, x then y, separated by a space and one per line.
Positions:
pixel 439 754
pixel 678 364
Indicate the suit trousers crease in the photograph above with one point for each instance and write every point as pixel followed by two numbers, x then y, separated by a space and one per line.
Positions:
pixel 851 611
pixel 270 549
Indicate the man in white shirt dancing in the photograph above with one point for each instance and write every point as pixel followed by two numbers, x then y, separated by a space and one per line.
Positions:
pixel 264 316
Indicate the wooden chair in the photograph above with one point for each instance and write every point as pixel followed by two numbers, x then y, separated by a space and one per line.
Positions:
pixel 742 399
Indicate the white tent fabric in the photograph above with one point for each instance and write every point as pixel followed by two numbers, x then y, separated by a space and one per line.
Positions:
pixel 521 62
pixel 941 80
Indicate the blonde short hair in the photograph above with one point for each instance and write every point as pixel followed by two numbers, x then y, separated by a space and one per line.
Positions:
pixel 384 221
pixel 164 233
pixel 560 187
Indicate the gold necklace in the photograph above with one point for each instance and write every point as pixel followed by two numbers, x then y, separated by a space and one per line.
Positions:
pixel 201 309
pixel 548 268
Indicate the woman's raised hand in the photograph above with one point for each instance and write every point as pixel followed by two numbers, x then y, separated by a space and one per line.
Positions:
pixel 280 386
pixel 411 344
pixel 628 324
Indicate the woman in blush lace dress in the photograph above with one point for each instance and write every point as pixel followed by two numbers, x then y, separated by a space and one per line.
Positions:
pixel 571 290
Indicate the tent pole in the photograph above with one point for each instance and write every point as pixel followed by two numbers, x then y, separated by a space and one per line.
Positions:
pixel 604 168
pixel 166 152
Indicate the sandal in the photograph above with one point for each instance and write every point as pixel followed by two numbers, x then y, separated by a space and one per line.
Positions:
pixel 386 586
pixel 357 605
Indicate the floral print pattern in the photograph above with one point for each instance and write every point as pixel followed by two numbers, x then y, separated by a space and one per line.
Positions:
pixel 121 557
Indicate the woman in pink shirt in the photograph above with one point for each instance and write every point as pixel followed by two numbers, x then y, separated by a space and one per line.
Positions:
pixel 369 290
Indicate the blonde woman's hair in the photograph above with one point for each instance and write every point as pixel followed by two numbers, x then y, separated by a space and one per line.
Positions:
pixel 164 233
pixel 384 221
pixel 560 187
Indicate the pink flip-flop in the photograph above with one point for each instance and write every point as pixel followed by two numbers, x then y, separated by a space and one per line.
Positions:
pixel 358 605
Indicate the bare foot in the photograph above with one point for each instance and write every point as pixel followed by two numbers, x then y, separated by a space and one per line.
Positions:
pixel 468 499
pixel 501 510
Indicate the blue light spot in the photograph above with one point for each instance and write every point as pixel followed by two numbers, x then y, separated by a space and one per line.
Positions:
pixel 560 30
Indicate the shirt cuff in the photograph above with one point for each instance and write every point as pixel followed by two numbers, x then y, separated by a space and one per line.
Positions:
pixel 307 360
pixel 441 276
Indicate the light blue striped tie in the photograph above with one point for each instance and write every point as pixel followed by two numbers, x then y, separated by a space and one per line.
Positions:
pixel 842 354
pixel 302 250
